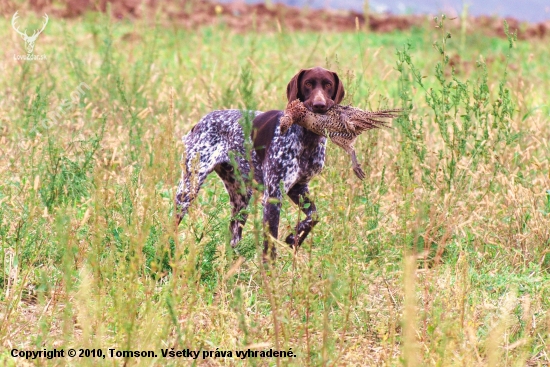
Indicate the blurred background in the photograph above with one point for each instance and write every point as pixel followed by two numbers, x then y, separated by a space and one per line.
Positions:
pixel 530 18
pixel 525 10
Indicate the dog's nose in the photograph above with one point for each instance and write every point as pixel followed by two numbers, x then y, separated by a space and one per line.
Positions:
pixel 319 105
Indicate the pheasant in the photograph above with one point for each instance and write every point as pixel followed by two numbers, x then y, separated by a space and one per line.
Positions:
pixel 342 124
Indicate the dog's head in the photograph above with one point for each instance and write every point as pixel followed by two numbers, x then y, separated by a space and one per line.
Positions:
pixel 319 89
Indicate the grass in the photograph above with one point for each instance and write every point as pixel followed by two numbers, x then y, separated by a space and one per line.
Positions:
pixel 440 257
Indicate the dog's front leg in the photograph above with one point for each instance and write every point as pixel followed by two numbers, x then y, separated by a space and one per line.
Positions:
pixel 272 212
pixel 299 194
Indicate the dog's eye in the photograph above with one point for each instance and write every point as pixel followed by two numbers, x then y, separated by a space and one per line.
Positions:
pixel 328 85
pixel 308 84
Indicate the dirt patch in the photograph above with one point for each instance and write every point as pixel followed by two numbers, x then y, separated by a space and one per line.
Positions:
pixel 242 17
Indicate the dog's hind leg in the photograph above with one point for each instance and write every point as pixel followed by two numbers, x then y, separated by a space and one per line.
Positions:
pixel 186 193
pixel 193 176
pixel 239 196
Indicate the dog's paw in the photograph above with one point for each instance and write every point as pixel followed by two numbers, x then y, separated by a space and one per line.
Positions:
pixel 291 240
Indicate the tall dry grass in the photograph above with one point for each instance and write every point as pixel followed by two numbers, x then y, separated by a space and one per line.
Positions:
pixel 440 257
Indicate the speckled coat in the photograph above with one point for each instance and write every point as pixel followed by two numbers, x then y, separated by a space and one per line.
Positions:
pixel 292 159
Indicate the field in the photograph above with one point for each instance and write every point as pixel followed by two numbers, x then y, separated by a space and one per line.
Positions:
pixel 441 257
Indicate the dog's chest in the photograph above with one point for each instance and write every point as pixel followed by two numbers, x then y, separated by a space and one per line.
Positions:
pixel 310 155
pixel 294 157
pixel 312 158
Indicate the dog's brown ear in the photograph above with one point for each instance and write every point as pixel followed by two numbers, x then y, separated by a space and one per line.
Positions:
pixel 339 93
pixel 293 88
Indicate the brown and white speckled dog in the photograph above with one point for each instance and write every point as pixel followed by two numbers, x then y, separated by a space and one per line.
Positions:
pixel 342 124
pixel 280 161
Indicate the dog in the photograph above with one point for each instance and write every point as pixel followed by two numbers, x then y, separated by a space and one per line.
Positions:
pixel 288 162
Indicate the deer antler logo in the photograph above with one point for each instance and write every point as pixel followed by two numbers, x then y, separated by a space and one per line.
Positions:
pixel 29 40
